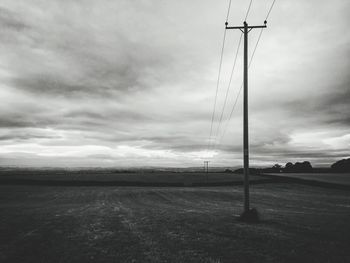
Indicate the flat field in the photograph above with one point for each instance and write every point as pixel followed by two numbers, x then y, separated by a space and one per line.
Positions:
pixel 173 224
pixel 108 177
pixel 336 178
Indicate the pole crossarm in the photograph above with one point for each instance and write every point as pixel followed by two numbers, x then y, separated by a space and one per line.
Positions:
pixel 242 27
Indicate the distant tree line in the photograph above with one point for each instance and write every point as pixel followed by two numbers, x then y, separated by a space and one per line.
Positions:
pixel 341 166
pixel 298 167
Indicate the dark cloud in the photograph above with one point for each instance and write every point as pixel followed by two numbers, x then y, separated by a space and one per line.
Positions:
pixel 9 20
pixel 26 136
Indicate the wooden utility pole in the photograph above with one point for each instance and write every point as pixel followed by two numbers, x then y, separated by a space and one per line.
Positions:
pixel 207 165
pixel 206 168
pixel 245 30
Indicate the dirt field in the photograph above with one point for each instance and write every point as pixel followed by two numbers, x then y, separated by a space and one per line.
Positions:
pixel 173 224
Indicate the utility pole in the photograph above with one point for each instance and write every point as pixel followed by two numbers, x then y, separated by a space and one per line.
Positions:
pixel 206 168
pixel 245 30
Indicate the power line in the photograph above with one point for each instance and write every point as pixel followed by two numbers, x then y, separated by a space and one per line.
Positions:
pixel 256 45
pixel 250 62
pixel 229 85
pixel 229 118
pixel 228 10
pixel 246 15
pixel 217 88
pixel 240 89
pixel 227 91
pixel 218 79
pixel 268 13
pixel 234 64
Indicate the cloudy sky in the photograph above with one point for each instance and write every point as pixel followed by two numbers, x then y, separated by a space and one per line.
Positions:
pixel 132 82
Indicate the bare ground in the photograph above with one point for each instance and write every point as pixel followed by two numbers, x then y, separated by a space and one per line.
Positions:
pixel 173 224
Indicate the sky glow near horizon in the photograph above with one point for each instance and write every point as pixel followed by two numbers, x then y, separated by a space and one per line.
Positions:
pixel 132 83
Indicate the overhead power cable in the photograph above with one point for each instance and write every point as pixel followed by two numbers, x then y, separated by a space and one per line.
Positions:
pixel 229 86
pixel 228 11
pixel 250 62
pixel 247 13
pixel 268 13
pixel 217 87
pixel 219 75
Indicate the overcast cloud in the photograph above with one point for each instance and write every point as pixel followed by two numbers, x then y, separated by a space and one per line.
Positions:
pixel 132 83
